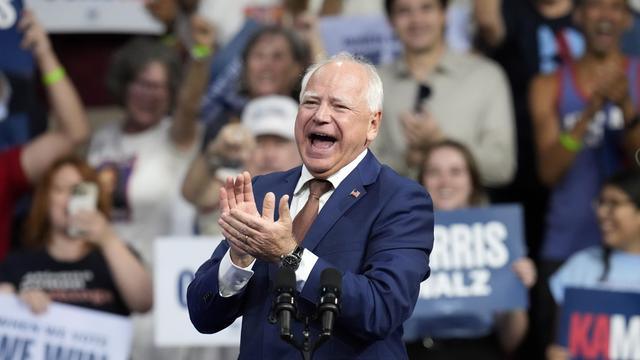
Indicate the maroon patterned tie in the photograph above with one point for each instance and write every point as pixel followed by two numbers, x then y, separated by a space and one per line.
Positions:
pixel 308 213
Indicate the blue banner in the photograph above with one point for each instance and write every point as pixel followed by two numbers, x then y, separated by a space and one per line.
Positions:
pixel 600 324
pixel 14 59
pixel 471 273
pixel 367 36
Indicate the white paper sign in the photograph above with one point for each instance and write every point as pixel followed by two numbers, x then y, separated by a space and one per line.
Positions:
pixel 176 261
pixel 63 332
pixel 95 16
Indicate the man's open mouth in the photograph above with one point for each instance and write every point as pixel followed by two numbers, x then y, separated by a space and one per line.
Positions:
pixel 321 140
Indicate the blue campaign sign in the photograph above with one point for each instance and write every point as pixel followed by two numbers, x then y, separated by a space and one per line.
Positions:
pixel 368 36
pixel 471 272
pixel 600 324
pixel 14 59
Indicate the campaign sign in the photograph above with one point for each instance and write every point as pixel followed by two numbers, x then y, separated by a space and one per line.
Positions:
pixel 367 36
pixel 600 324
pixel 64 332
pixel 14 59
pixel 176 261
pixel 471 268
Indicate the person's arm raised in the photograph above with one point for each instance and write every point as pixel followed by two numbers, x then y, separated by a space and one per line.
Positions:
pixel 72 126
pixel 131 278
pixel 556 149
pixel 184 126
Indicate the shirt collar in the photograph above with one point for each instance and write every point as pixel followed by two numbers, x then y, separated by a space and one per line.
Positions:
pixel 444 66
pixel 334 179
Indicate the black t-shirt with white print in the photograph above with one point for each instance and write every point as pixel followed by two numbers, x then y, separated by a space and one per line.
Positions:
pixel 87 282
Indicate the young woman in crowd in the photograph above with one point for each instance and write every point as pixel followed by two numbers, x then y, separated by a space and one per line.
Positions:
pixel 89 266
pixel 451 176
pixel 273 62
pixel 616 263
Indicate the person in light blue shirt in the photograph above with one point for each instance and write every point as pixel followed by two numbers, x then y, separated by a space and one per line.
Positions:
pixel 616 263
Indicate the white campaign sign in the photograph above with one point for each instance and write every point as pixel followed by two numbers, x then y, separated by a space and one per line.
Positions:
pixel 176 261
pixel 63 332
pixel 95 16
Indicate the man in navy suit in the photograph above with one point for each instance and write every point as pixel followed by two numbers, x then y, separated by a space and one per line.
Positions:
pixel 373 225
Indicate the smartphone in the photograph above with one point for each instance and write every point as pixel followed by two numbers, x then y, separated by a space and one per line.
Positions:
pixel 424 93
pixel 84 196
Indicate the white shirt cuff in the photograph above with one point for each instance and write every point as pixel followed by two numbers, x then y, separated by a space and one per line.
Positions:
pixel 307 263
pixel 232 278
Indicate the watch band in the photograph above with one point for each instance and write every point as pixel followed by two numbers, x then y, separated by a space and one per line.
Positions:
pixel 292 261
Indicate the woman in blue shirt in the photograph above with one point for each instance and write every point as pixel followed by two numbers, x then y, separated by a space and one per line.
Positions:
pixel 616 263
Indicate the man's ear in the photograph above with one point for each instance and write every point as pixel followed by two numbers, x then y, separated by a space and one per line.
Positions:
pixel 374 125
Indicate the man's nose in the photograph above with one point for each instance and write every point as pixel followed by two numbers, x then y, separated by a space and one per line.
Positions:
pixel 323 114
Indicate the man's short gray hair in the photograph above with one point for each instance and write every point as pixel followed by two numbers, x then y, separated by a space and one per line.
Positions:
pixel 374 95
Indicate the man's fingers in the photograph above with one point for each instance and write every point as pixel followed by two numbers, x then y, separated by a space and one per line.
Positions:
pixel 239 188
pixel 246 221
pixel 285 215
pixel 235 242
pixel 248 187
pixel 269 206
pixel 231 197
pixel 224 202
pixel 243 228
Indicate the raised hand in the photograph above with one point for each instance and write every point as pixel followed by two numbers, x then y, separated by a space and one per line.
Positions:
pixel 261 236
pixel 420 129
pixel 93 227
pixel 35 38
pixel 202 32
pixel 237 194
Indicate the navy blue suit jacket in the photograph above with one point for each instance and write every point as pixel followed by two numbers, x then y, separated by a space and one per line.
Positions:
pixel 380 240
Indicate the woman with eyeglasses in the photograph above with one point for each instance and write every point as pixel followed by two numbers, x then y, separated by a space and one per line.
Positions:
pixel 616 263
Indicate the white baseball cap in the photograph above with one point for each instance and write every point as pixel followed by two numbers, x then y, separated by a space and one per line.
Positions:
pixel 271 115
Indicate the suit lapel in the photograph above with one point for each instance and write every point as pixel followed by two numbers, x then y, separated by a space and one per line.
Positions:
pixel 349 192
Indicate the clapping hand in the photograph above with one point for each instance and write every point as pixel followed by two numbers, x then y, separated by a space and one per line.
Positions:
pixel 250 234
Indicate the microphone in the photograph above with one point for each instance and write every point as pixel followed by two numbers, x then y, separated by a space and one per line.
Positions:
pixel 285 306
pixel 424 93
pixel 331 285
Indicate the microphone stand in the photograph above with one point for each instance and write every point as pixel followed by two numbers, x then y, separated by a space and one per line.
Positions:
pixel 307 347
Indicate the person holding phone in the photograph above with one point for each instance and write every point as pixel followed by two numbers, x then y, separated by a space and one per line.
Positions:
pixel 72 254
pixel 262 143
pixel 24 165
pixel 435 93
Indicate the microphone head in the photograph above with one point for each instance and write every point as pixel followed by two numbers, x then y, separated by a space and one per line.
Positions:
pixel 331 278
pixel 285 280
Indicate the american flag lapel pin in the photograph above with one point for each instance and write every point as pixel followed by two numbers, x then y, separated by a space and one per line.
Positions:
pixel 355 193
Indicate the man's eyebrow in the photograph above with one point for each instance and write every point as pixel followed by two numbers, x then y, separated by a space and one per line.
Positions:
pixel 339 99
pixel 308 94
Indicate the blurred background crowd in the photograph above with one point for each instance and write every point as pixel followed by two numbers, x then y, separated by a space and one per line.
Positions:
pixel 535 102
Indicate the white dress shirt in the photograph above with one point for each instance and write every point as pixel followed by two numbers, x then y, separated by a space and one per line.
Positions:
pixel 232 278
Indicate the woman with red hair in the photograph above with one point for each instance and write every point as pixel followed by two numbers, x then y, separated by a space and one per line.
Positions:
pixel 89 266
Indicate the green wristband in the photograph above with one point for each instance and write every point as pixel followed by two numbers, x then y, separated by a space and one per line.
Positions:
pixel 199 52
pixel 570 143
pixel 53 76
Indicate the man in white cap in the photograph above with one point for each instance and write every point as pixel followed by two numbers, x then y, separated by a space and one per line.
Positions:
pixel 271 120
pixel 262 143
